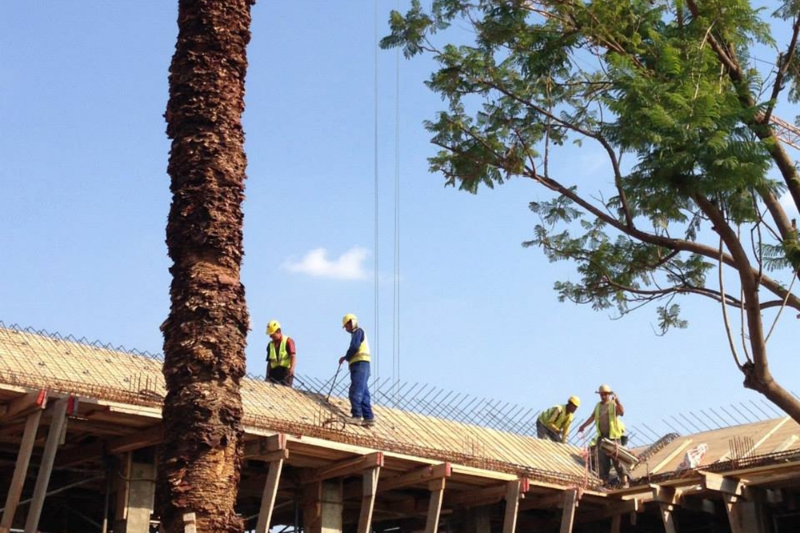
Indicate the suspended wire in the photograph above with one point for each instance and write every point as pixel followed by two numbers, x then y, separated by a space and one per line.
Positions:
pixel 377 374
pixel 396 299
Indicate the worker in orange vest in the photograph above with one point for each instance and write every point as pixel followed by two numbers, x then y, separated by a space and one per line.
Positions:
pixel 281 355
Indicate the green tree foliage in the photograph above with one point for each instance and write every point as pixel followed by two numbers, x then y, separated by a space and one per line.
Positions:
pixel 675 88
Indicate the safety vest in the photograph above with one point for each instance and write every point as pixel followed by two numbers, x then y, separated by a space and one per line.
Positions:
pixel 363 351
pixel 558 419
pixel 282 358
pixel 616 427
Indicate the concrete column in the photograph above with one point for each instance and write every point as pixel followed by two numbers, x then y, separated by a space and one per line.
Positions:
pixel 479 520
pixel 135 493
pixel 322 507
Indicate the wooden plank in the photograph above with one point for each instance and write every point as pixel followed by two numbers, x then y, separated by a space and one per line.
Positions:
pixel 20 469
pixel 767 435
pixel 346 467
pixel 667 517
pixel 46 465
pixel 513 492
pixel 568 514
pixel 421 475
pixel 786 444
pixel 23 405
pixel 268 495
pixel 370 489
pixel 189 523
pixel 674 453
pixel 435 504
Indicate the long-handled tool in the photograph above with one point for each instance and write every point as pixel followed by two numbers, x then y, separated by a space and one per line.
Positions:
pixel 333 384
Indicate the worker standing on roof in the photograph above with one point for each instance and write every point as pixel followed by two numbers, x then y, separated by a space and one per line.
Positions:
pixel 554 423
pixel 606 419
pixel 281 358
pixel 358 357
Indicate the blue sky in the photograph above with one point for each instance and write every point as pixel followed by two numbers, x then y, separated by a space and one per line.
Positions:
pixel 83 87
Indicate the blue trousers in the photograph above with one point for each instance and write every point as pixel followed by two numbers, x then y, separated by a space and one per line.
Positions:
pixel 359 391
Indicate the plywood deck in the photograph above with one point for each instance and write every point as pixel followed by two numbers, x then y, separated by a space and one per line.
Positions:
pixel 36 360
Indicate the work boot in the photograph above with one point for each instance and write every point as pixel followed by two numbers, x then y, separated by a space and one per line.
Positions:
pixel 353 420
pixel 368 422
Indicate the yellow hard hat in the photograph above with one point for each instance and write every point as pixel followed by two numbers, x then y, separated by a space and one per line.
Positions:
pixel 349 317
pixel 574 400
pixel 273 326
pixel 604 388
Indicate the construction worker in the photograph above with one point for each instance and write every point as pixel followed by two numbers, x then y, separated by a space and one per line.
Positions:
pixel 554 423
pixel 606 420
pixel 358 357
pixel 281 358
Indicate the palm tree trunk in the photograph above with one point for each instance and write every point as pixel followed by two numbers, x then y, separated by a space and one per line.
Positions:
pixel 205 333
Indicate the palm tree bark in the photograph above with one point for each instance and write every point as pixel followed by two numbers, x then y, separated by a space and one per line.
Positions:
pixel 205 333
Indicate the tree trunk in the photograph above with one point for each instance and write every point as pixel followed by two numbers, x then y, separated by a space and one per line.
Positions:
pixel 205 333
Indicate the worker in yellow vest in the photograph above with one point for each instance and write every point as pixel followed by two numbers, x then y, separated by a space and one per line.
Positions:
pixel 281 355
pixel 358 357
pixel 554 423
pixel 606 420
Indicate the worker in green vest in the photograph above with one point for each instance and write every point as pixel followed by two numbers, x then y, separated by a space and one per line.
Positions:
pixel 554 423
pixel 606 420
pixel 281 359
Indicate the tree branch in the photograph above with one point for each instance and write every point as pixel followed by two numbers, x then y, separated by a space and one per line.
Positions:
pixel 783 68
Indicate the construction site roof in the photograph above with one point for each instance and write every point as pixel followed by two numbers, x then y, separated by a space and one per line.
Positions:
pixel 38 360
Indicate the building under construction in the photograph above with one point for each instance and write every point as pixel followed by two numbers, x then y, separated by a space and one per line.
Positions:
pixel 80 428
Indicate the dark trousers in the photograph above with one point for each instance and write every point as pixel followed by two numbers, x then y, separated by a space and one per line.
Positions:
pixel 605 461
pixel 544 432
pixel 280 375
pixel 360 406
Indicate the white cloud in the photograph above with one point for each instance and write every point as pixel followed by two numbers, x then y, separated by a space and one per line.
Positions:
pixel 348 266
pixel 788 204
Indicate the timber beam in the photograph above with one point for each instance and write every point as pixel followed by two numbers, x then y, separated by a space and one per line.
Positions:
pixel 514 491
pixel 420 475
pixel 369 491
pixel 141 439
pixel 571 499
pixel 345 468
pixel 476 498
pixel 263 448
pixel 23 405
pixel 272 449
pixel 666 495
pixel 723 484
pixel 610 511
pixel 20 469
pixel 554 500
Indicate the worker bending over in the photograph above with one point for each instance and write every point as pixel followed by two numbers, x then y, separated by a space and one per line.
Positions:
pixel 554 423
pixel 358 357
pixel 609 426
pixel 281 357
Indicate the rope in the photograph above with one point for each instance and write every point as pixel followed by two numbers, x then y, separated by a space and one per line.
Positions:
pixel 396 295
pixel 377 374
